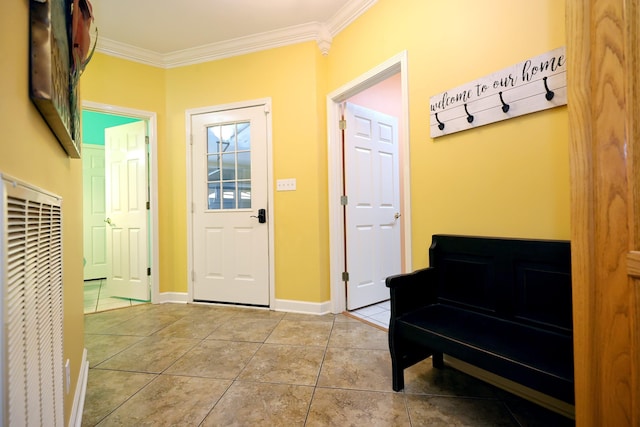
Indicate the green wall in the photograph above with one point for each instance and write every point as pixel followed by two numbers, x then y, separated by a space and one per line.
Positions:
pixel 94 124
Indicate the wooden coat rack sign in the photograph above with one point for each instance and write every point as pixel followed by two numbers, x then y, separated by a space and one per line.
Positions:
pixel 536 84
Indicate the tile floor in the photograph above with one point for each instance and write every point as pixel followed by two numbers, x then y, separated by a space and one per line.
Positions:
pixel 376 314
pixel 197 365
pixel 97 298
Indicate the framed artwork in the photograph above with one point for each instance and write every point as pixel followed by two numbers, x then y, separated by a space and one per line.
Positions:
pixel 52 87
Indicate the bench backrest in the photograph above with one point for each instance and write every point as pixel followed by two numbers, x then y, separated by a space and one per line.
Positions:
pixel 523 280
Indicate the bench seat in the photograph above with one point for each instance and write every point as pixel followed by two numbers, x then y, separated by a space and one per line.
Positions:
pixel 536 358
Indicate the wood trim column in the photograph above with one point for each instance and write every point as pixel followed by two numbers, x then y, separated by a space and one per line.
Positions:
pixel 603 88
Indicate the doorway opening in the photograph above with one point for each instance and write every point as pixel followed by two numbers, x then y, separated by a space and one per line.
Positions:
pixel 103 264
pixel 394 69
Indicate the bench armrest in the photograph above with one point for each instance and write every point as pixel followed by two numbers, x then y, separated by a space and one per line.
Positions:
pixel 412 290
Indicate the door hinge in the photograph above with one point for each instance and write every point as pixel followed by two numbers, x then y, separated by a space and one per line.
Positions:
pixel 193 275
pixel 148 271
pixel 148 205
pixel 344 200
pixel 193 207
pixel 190 139
pixel 342 124
pixel 345 276
pixel 146 140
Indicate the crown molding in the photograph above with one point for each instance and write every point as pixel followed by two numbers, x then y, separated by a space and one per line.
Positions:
pixel 349 13
pixel 322 33
pixel 243 45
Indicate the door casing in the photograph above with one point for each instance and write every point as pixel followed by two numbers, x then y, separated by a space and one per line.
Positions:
pixel 397 63
pixel 151 118
pixel 266 102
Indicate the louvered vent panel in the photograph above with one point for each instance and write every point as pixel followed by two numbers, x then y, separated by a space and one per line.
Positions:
pixel 31 262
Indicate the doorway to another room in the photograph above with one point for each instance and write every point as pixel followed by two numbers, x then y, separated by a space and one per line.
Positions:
pixel 369 164
pixel 118 159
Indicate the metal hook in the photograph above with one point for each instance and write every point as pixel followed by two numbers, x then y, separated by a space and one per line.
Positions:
pixel 505 106
pixel 549 95
pixel 440 124
pixel 469 116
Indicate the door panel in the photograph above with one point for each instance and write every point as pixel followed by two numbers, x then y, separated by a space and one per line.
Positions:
pixel 373 190
pixel 229 176
pixel 94 212
pixel 127 232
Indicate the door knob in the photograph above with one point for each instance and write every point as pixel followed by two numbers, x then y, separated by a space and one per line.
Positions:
pixel 108 221
pixel 396 216
pixel 262 216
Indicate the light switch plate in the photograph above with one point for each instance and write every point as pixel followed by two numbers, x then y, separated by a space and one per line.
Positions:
pixel 286 184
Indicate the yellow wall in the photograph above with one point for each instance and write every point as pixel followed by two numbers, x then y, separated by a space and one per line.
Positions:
pixel 113 81
pixel 289 76
pixel 29 152
pixel 510 178
pixel 506 179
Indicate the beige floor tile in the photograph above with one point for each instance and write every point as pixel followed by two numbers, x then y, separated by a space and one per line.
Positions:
pixel 101 347
pixel 215 359
pixel 356 369
pixel 349 366
pixel 529 414
pixel 340 318
pixel 284 364
pixel 245 329
pixel 256 404
pixel 98 323
pixel 169 401
pixel 358 335
pixel 439 411
pixel 189 327
pixel 296 332
pixel 106 390
pixel 309 317
pixel 258 314
pixel 152 354
pixel 143 325
pixel 335 407
pixel 422 378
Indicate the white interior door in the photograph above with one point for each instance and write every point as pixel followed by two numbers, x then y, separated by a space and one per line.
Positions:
pixel 126 222
pixel 94 212
pixel 373 210
pixel 229 188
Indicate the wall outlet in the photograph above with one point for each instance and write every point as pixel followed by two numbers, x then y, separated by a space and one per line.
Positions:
pixel 67 370
pixel 286 184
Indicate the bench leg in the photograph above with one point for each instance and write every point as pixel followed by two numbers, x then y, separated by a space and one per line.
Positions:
pixel 438 360
pixel 397 373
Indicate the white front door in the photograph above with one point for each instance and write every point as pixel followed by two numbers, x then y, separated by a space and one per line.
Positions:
pixel 94 214
pixel 373 207
pixel 126 222
pixel 229 192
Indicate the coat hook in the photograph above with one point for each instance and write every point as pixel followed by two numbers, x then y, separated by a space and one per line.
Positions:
pixel 440 124
pixel 550 93
pixel 469 116
pixel 505 106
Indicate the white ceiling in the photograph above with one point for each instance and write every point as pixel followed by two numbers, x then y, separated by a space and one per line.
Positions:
pixel 170 33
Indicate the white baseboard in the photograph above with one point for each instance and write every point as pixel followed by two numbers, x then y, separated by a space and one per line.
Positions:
pixel 291 306
pixel 535 396
pixel 174 297
pixel 75 420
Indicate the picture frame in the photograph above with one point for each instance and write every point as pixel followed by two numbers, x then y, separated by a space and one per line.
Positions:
pixel 51 88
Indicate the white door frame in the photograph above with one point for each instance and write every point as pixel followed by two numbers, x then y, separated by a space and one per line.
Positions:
pixel 152 121
pixel 266 102
pixel 396 64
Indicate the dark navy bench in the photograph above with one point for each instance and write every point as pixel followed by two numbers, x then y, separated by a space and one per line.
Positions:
pixel 501 304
